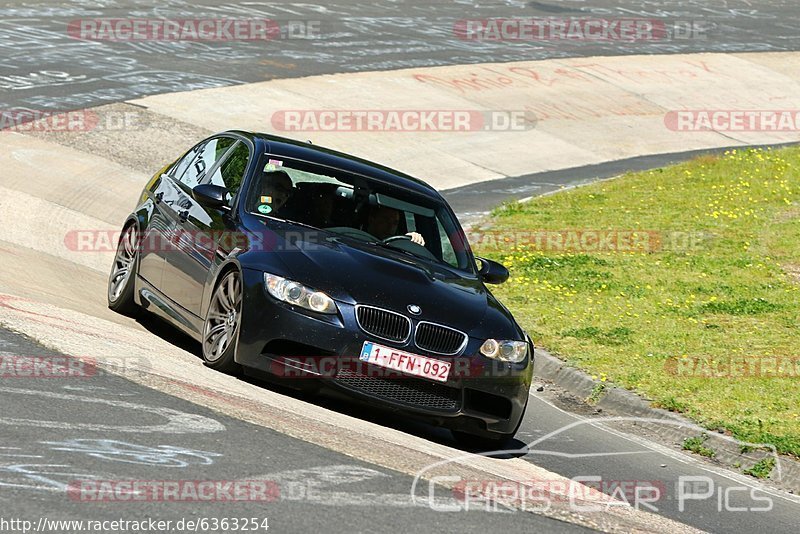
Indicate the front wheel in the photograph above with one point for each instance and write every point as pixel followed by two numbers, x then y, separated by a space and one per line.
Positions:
pixel 121 282
pixel 221 328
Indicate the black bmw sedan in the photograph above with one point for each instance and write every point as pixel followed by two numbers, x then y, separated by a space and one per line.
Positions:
pixel 284 258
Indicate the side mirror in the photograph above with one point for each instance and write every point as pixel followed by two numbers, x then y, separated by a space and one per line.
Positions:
pixel 211 196
pixel 492 272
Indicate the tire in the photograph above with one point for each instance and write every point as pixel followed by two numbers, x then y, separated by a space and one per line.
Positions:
pixel 221 327
pixel 121 281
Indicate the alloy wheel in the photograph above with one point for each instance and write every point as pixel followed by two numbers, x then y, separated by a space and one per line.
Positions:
pixel 224 315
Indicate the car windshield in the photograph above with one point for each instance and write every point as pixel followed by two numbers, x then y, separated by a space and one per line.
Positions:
pixel 358 208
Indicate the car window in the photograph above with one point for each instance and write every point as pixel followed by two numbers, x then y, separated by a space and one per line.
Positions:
pixel 448 251
pixel 355 207
pixel 229 175
pixel 206 155
pixel 179 168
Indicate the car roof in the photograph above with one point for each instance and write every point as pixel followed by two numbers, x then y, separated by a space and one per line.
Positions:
pixel 339 160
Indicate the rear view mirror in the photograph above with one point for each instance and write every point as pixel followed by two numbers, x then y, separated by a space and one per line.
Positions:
pixel 492 272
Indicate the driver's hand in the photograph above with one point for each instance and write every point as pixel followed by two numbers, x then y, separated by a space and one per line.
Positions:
pixel 416 238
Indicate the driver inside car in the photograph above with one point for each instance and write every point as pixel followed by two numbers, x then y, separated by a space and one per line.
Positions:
pixel 275 189
pixel 383 223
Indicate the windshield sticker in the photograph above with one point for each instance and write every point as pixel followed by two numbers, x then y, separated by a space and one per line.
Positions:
pixel 265 208
pixel 272 165
pixel 266 200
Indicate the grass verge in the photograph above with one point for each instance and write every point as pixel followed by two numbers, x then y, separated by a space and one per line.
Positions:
pixel 679 283
pixel 697 445
pixel 762 469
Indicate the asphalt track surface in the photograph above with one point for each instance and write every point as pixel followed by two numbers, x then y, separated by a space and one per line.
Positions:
pixel 44 67
pixel 46 459
pixel 41 67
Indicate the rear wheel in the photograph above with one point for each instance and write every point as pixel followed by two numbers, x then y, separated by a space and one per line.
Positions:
pixel 221 328
pixel 121 282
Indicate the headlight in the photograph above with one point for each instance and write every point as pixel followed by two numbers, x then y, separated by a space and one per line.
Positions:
pixel 507 351
pixel 298 294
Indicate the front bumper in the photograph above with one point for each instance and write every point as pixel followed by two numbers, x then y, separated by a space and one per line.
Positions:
pixel 481 396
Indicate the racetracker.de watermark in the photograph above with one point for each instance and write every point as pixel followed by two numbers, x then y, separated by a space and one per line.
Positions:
pixel 733 120
pixel 41 366
pixel 31 366
pixel 178 240
pixel 399 364
pixel 728 367
pixel 402 120
pixel 213 29
pixel 197 491
pixel 581 29
pixel 587 240
pixel 82 120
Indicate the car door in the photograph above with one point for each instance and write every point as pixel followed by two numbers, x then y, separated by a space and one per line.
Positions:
pixel 198 230
pixel 156 238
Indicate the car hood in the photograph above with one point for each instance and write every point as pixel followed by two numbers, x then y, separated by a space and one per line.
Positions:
pixel 363 274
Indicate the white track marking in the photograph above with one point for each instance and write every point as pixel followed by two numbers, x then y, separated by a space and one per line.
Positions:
pixel 121 451
pixel 177 422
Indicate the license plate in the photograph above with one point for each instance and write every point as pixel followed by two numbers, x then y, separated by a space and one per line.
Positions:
pixel 405 362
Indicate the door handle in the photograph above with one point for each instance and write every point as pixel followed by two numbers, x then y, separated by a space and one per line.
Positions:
pixel 183 216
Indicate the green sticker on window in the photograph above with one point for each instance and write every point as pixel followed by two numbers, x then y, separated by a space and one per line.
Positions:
pixel 265 208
